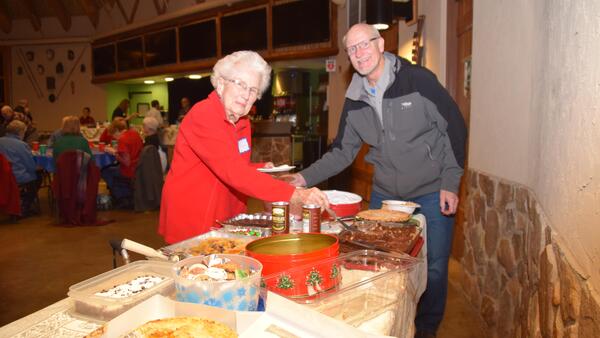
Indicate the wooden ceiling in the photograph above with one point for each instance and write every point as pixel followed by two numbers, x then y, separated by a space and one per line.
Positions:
pixel 64 10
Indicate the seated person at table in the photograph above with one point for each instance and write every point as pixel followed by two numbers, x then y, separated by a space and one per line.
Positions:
pixel 71 138
pixel 6 116
pixel 107 135
pixel 23 166
pixel 118 178
pixel 31 133
pixel 86 119
pixel 151 126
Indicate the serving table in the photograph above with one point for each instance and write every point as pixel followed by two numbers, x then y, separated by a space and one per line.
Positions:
pixel 59 320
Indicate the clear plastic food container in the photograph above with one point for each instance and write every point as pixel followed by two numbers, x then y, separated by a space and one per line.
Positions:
pixel 375 293
pixel 236 294
pixel 107 295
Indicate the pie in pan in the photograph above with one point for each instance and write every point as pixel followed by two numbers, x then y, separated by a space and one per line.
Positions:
pixel 383 215
pixel 182 327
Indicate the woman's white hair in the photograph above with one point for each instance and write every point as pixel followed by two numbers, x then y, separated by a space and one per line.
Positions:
pixel 248 60
pixel 151 123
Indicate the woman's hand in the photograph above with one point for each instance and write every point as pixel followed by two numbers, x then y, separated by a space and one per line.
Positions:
pixel 309 196
pixel 269 165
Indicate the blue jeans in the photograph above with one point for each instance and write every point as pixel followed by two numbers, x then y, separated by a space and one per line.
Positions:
pixel 430 310
pixel 119 186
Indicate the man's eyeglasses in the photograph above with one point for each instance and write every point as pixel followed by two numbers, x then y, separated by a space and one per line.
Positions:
pixel 361 45
pixel 241 85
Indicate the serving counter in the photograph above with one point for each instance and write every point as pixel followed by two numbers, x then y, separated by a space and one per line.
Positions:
pixel 62 319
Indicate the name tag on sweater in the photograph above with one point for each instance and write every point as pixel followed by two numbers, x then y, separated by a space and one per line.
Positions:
pixel 243 145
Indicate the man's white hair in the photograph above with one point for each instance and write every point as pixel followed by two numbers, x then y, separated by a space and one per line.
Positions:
pixel 242 60
pixel 369 28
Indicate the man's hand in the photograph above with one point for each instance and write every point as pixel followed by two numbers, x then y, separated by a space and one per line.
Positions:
pixel 309 196
pixel 448 202
pixel 296 180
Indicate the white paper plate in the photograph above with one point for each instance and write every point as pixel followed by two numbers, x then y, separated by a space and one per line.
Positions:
pixel 279 169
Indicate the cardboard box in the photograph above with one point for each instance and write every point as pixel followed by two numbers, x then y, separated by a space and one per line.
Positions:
pixel 282 318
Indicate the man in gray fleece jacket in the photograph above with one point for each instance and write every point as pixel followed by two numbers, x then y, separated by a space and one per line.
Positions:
pixel 416 137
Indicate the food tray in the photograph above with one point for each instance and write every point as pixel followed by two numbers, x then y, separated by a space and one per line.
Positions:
pixel 349 244
pixel 261 229
pixel 375 293
pixel 185 245
pixel 88 304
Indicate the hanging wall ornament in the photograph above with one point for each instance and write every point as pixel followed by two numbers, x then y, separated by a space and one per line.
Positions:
pixel 30 56
pixel 50 83
pixel 50 54
pixel 59 68
pixel 51 98
pixel 71 55
pixel 19 70
pixel 40 69
pixel 82 68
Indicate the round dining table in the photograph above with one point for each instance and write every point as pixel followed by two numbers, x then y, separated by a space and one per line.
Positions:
pixel 46 161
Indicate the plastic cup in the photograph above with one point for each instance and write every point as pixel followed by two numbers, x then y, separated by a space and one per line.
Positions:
pixel 101 146
pixel 35 146
pixel 91 144
pixel 42 148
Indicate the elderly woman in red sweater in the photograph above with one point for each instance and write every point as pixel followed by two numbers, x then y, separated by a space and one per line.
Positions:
pixel 211 175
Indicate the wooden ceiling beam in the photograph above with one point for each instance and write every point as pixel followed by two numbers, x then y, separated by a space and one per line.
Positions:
pixel 161 6
pixel 33 17
pixel 5 20
pixel 61 13
pixel 90 9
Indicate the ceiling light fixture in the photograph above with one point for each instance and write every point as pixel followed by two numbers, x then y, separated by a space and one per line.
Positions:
pixel 194 76
pixel 380 13
pixel 149 81
pixel 169 79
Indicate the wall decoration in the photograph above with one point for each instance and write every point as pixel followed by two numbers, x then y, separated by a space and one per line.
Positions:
pixel 60 68
pixel 70 55
pixel 40 69
pixel 29 72
pixel 30 56
pixel 82 68
pixel 50 54
pixel 19 70
pixel 142 108
pixel 51 98
pixel 50 83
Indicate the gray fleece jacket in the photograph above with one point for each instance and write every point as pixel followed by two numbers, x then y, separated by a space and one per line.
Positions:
pixel 418 145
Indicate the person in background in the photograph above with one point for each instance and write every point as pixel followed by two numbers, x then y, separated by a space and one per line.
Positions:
pixel 107 135
pixel 118 178
pixel 211 175
pixel 151 137
pixel 86 119
pixel 185 108
pixel 417 138
pixel 154 112
pixel 121 111
pixel 7 114
pixel 71 138
pixel 25 104
pixel 31 133
pixel 23 166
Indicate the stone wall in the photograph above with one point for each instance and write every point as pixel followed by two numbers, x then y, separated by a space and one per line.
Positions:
pixel 514 270
pixel 276 149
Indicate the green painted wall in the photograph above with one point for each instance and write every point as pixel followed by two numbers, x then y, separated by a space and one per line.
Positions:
pixel 138 93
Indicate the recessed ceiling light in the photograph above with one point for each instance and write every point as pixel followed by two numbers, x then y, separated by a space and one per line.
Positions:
pixel 149 81
pixel 168 79
pixel 194 76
